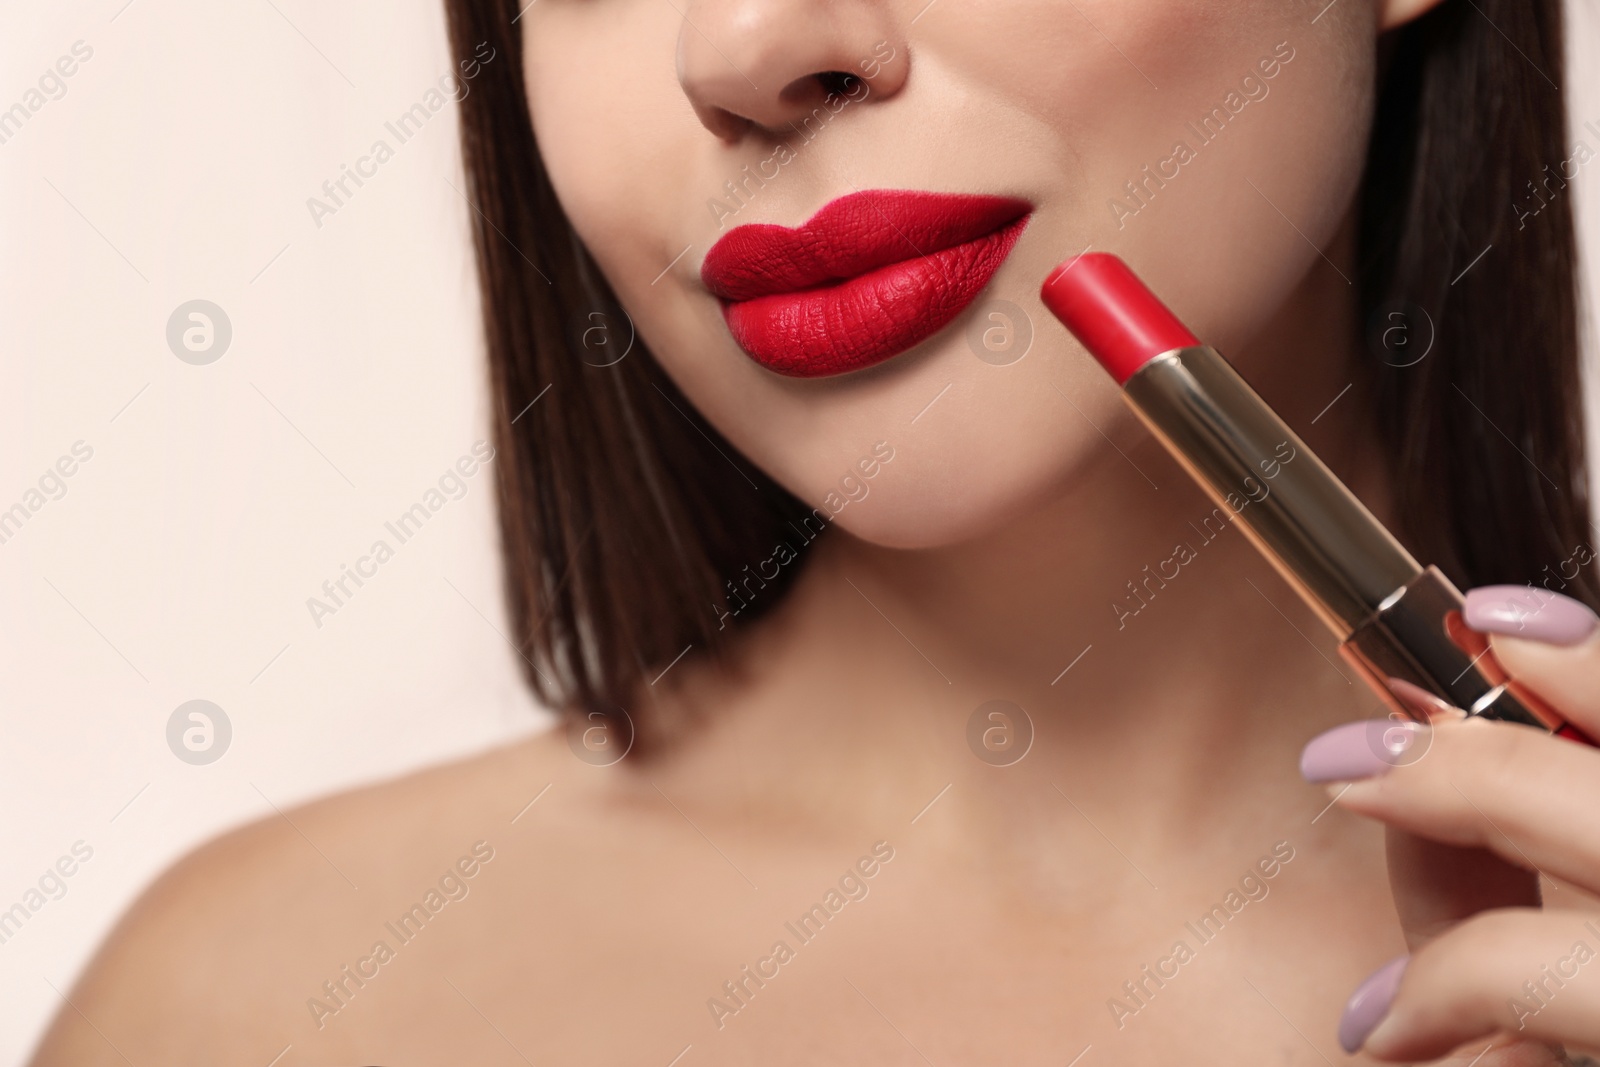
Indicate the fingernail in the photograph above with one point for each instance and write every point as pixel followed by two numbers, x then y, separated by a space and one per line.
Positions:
pixel 1523 611
pixel 1370 1003
pixel 1362 750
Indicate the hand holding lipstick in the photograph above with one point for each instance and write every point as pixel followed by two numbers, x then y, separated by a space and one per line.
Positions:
pixel 1478 804
pixel 1478 811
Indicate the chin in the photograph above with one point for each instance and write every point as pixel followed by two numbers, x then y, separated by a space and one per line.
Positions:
pixel 969 484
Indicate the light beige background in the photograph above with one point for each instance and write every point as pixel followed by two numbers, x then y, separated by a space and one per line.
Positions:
pixel 177 565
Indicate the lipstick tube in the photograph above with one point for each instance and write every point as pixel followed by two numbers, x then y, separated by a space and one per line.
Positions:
pixel 1399 623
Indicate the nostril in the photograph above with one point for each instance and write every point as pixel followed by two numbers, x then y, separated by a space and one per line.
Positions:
pixel 817 87
pixel 837 82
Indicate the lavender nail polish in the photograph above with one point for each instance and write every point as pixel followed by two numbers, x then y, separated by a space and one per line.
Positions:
pixel 1363 749
pixel 1370 1003
pixel 1523 611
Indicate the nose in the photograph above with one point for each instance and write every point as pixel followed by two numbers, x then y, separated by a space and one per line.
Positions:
pixel 770 63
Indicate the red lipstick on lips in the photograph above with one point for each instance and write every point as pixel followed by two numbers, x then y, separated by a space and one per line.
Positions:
pixel 1399 623
pixel 867 277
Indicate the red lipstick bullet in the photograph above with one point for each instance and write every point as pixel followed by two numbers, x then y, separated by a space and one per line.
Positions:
pixel 1109 309
pixel 1399 623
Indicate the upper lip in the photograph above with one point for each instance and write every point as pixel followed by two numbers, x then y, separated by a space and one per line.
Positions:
pixel 849 237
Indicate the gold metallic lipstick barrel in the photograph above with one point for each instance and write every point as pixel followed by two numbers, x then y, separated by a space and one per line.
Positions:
pixel 1323 540
pixel 1400 622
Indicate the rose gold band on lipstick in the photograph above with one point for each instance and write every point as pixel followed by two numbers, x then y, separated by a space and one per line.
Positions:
pixel 1399 622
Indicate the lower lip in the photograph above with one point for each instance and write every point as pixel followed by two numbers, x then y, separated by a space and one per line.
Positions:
pixel 870 318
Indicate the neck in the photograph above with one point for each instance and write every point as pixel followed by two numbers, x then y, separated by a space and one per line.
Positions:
pixel 1164 666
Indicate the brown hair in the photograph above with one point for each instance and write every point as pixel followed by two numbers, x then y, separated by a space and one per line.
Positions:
pixel 1487 431
pixel 623 513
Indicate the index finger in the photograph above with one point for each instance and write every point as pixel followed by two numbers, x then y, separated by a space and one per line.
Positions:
pixel 1551 644
pixel 1547 642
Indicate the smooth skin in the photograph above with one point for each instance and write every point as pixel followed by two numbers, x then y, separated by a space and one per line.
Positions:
pixel 1522 804
pixel 1023 902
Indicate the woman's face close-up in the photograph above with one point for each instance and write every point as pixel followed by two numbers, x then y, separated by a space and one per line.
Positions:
pixel 1216 145
pixel 1036 760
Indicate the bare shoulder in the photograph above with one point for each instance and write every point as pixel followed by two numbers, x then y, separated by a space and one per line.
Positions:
pixel 231 950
